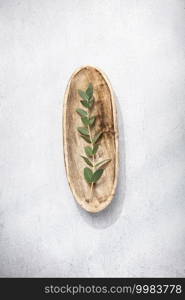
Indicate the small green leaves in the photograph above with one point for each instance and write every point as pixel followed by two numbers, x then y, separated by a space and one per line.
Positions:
pixel 89 91
pixel 88 151
pixel 96 137
pixel 85 103
pixel 91 102
pixel 97 174
pixel 87 161
pixel 86 138
pixel 95 149
pixel 88 175
pixel 83 95
pixel 92 177
pixel 87 96
pixel 92 120
pixel 81 112
pixel 85 120
pixel 103 163
pixel 83 130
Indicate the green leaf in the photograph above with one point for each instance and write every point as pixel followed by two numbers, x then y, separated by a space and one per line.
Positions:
pixel 96 137
pixel 83 130
pixel 91 102
pixel 86 138
pixel 87 161
pixel 88 151
pixel 92 120
pixel 88 174
pixel 103 163
pixel 83 95
pixel 89 91
pixel 97 174
pixel 85 120
pixel 81 112
pixel 95 148
pixel 85 103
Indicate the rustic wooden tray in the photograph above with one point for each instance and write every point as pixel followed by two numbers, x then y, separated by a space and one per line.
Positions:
pixel 106 120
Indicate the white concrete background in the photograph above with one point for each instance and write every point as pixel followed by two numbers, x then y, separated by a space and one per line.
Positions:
pixel 140 45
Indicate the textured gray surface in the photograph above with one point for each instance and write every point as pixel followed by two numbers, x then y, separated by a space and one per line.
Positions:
pixel 140 46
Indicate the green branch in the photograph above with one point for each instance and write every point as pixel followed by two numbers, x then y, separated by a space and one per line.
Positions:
pixel 93 174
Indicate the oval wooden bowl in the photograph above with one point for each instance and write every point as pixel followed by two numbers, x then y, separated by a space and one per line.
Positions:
pixel 106 120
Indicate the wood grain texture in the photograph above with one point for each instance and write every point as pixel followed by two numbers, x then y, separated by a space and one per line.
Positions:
pixel 106 120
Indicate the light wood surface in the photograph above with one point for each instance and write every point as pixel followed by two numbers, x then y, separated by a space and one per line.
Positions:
pixel 106 120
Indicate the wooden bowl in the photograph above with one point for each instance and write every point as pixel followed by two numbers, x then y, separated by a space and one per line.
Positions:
pixel 106 120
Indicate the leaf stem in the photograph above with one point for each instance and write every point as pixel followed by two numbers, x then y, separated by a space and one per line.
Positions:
pixel 91 192
pixel 93 158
